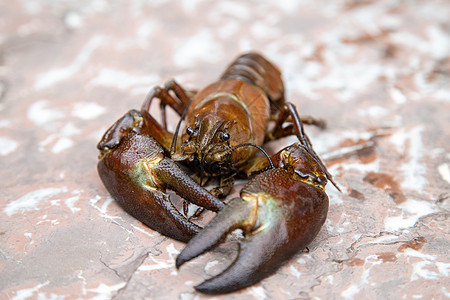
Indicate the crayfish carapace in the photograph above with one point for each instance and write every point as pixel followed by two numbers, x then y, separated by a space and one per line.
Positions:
pixel 280 210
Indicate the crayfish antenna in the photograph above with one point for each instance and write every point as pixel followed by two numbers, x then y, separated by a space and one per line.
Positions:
pixel 231 217
pixel 334 183
pixel 259 148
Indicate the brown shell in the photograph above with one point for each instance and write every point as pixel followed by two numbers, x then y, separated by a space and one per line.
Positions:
pixel 235 100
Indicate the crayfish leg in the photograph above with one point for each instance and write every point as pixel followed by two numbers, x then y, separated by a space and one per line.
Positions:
pixel 224 187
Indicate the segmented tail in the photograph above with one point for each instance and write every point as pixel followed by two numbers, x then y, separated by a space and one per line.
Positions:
pixel 255 69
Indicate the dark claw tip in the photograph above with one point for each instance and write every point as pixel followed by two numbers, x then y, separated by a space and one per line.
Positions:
pixel 206 289
pixel 179 262
pixel 209 287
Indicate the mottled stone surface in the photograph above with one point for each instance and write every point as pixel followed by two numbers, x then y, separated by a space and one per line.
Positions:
pixel 377 71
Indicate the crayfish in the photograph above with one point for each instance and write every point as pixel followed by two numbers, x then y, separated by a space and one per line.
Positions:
pixel 281 208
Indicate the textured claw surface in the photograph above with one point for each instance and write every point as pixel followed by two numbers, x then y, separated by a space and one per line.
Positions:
pixel 278 220
pixel 134 192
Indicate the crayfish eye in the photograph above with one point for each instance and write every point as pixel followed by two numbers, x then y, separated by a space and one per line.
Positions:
pixel 189 130
pixel 225 136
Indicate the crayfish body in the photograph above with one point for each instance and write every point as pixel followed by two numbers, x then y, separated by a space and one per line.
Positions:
pixel 230 112
pixel 280 210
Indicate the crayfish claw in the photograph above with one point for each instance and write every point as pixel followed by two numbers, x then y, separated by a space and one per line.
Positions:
pixel 260 252
pixel 137 173
pixel 279 215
